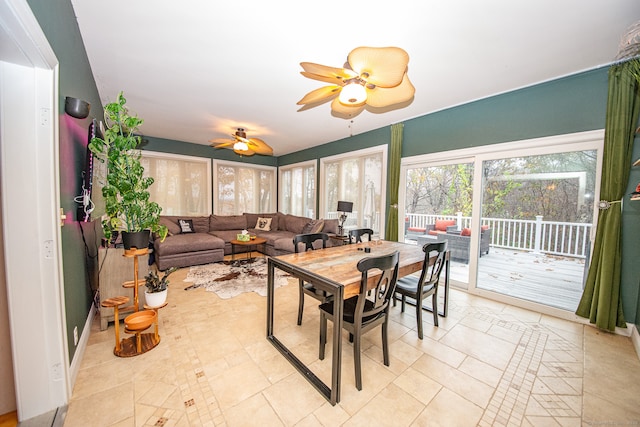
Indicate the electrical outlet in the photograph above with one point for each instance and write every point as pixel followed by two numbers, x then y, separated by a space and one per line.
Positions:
pixel 75 335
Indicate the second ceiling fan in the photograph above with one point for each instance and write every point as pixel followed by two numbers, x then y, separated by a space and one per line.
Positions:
pixel 242 145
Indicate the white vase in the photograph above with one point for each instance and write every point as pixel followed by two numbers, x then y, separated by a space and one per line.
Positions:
pixel 155 299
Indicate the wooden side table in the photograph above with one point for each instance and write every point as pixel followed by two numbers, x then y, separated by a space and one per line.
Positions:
pixel 253 242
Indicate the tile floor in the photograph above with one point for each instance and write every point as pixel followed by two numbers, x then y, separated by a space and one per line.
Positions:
pixel 488 364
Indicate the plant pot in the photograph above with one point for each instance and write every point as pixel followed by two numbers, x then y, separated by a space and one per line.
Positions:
pixel 138 239
pixel 155 299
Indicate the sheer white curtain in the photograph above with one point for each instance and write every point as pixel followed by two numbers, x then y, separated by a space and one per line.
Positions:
pixel 182 184
pixel 240 187
pixel 298 189
pixel 357 177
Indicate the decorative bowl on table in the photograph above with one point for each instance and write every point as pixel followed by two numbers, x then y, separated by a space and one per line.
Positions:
pixel 253 237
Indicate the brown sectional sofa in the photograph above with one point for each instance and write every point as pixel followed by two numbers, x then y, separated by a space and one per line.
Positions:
pixel 212 235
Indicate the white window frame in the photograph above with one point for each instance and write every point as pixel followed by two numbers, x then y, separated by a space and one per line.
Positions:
pixel 217 163
pixel 379 149
pixel 194 159
pixel 300 165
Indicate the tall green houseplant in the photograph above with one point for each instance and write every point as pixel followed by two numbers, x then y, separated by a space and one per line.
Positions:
pixel 125 192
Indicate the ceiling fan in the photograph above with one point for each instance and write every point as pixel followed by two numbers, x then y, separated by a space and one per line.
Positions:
pixel 372 76
pixel 243 145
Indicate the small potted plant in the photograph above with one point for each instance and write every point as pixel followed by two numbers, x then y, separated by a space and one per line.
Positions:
pixel 156 293
pixel 126 195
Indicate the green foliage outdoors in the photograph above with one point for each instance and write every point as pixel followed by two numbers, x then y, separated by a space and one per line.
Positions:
pixel 125 193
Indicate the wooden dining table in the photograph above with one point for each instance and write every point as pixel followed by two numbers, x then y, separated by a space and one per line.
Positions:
pixel 334 270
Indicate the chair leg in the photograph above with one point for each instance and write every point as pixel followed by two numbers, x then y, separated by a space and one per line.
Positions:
pixel 301 303
pixel 356 359
pixel 419 315
pixel 385 342
pixel 402 304
pixel 323 335
pixel 434 305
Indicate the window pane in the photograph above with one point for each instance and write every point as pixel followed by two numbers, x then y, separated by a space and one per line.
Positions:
pixel 241 188
pixel 181 185
pixel 298 190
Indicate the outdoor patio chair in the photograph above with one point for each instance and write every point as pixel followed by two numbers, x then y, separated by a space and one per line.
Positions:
pixel 308 288
pixel 426 285
pixel 355 236
pixel 361 313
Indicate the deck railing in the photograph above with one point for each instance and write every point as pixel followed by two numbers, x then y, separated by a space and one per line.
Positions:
pixel 551 237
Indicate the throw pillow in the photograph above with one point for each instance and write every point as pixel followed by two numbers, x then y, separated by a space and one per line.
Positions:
pixel 263 224
pixel 313 226
pixel 465 232
pixel 186 226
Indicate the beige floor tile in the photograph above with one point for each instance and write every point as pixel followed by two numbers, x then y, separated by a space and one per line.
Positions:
pixel 487 364
pixel 447 409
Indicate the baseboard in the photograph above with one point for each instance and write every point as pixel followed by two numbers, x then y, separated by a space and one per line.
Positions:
pixel 82 346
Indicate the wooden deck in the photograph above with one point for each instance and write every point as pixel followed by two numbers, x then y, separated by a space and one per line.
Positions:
pixel 546 279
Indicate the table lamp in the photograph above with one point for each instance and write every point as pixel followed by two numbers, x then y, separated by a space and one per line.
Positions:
pixel 343 208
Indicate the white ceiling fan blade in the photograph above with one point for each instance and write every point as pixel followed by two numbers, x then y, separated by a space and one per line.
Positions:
pixel 260 147
pixel 337 74
pixel 385 66
pixel 320 94
pixel 383 97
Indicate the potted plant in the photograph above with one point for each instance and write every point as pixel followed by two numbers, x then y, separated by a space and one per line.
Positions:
pixel 125 192
pixel 156 293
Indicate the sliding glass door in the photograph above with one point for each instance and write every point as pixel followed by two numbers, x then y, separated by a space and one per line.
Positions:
pixel 517 217
pixel 537 214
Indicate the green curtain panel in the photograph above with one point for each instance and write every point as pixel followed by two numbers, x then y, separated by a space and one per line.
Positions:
pixel 600 301
pixel 395 156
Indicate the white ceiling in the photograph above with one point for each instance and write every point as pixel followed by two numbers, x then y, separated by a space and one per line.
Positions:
pixel 195 69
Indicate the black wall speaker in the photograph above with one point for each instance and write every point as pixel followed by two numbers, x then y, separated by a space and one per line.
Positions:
pixel 76 107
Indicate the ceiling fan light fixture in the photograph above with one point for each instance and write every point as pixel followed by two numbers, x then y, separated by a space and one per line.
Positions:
pixel 353 93
pixel 240 146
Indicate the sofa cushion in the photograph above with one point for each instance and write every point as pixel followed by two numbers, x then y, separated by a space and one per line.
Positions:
pixel 465 232
pixel 273 236
pixel 200 223
pixel 227 222
pixel 252 219
pixel 226 235
pixel 442 224
pixel 172 227
pixel 184 243
pixel 294 223
pixel 330 226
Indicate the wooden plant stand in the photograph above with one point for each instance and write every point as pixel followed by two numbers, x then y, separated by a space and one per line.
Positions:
pixel 137 322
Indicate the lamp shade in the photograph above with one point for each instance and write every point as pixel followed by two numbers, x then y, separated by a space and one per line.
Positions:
pixel 345 206
pixel 76 107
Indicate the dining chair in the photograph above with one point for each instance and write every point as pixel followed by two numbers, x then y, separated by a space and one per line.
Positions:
pixel 426 285
pixel 366 310
pixel 308 288
pixel 355 236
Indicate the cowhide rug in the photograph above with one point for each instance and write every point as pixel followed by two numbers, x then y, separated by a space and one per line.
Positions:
pixel 229 279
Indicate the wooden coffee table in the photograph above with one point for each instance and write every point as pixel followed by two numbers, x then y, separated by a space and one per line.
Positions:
pixel 253 242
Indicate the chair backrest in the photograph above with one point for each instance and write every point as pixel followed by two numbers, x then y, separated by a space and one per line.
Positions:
pixel 431 271
pixel 308 240
pixel 374 302
pixel 355 236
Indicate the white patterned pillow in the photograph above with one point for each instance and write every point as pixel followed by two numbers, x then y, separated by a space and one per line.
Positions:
pixel 263 224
